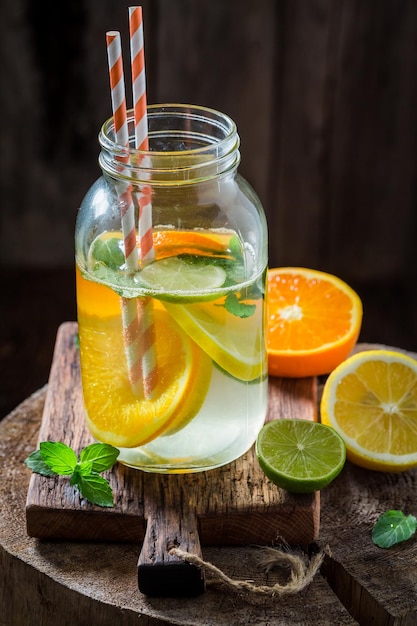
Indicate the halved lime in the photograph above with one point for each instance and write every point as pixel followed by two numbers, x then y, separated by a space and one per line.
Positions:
pixel 175 279
pixel 299 455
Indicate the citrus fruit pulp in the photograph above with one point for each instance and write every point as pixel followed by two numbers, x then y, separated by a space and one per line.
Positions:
pixel 115 414
pixel 371 401
pixel 229 340
pixel 173 242
pixel 314 320
pixel 189 265
pixel 176 279
pixel 299 455
pixel 108 246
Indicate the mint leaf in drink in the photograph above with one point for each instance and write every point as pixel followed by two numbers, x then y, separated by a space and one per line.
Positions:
pixel 59 457
pixel 36 463
pixel 234 306
pixel 393 527
pixel 101 455
pixel 235 247
pixel 109 252
pixel 55 458
pixel 95 489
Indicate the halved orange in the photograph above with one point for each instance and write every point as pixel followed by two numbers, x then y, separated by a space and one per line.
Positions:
pixel 314 320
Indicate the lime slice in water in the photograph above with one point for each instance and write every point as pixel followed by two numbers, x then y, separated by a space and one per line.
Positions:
pixel 300 456
pixel 180 280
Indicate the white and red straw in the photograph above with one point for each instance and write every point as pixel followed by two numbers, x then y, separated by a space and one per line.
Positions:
pixel 137 315
pixel 131 329
pixel 147 253
pixel 137 55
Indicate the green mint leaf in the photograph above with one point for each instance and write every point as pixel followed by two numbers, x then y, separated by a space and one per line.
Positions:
pixel 84 469
pixel 59 457
pixel 56 458
pixel 235 247
pixel 36 463
pixel 101 455
pixel 240 309
pixel 109 252
pixel 393 527
pixel 75 478
pixel 94 488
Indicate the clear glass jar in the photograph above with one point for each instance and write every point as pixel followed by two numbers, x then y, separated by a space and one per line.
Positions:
pixel 172 326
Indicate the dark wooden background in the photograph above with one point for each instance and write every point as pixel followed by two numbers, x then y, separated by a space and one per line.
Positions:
pixel 324 93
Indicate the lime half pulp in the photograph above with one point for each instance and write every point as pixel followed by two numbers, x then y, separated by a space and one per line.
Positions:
pixel 299 455
pixel 180 280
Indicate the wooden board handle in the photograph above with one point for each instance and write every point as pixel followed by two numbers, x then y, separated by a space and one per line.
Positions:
pixel 160 573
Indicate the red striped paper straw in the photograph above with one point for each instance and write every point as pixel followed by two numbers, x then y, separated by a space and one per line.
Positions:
pixel 131 330
pixel 137 54
pixel 147 253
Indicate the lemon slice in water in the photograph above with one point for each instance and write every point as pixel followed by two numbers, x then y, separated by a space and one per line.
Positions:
pixel 229 340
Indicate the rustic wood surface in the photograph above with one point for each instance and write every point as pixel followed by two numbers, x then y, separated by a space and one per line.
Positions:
pixel 46 582
pixel 234 504
pixel 84 583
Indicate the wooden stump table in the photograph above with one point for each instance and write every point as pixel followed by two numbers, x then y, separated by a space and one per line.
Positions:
pixel 48 582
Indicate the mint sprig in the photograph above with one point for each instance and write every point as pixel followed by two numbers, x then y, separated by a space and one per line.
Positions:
pixel 57 459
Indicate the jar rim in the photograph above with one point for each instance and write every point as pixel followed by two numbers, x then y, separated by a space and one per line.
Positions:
pixel 220 121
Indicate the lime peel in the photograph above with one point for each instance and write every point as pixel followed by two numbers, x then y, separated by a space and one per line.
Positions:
pixel 299 455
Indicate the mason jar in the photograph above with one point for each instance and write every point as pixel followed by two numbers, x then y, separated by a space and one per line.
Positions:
pixel 171 260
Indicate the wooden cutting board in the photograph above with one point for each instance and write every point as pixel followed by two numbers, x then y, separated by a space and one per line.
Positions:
pixel 233 505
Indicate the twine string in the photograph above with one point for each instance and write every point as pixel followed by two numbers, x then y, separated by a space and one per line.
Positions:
pixel 301 574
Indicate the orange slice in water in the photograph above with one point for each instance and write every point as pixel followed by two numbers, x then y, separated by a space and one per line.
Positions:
pixel 314 320
pixel 117 416
pixel 173 242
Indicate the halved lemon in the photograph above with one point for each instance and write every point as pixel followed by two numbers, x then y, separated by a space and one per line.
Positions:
pixel 371 401
pixel 118 416
pixel 314 319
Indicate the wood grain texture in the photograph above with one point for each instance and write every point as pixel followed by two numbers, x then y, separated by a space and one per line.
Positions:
pixel 234 504
pixel 53 582
pixel 379 585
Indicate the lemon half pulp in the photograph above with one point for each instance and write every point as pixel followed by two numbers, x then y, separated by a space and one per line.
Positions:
pixel 371 400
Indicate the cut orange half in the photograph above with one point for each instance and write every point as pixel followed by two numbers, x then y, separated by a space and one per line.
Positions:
pixel 371 401
pixel 314 320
